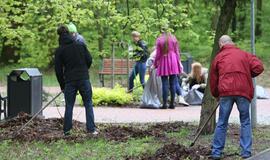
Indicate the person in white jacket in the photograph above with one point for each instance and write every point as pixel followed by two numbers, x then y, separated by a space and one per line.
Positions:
pixel 152 95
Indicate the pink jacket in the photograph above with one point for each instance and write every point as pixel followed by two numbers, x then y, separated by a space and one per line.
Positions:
pixel 168 64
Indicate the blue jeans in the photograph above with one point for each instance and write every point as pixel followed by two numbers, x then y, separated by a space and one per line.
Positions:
pixel 226 105
pixel 168 82
pixel 85 90
pixel 139 68
pixel 178 89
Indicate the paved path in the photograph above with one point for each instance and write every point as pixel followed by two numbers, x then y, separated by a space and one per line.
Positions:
pixel 264 155
pixel 136 115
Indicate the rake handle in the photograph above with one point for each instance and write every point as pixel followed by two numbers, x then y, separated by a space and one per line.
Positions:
pixel 205 123
pixel 36 114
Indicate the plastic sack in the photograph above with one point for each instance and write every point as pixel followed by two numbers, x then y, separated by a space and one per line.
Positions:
pixel 261 93
pixel 152 94
pixel 194 97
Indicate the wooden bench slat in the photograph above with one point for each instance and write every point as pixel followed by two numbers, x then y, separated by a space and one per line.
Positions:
pixel 117 64
pixel 121 67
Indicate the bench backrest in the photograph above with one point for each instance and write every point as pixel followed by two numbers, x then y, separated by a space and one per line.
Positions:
pixel 120 66
pixel 118 63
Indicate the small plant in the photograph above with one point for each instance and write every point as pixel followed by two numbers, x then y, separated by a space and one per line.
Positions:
pixel 106 96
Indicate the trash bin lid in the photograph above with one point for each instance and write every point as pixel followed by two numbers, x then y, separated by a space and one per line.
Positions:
pixel 32 72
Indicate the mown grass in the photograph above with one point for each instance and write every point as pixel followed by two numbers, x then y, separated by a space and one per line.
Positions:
pixel 96 149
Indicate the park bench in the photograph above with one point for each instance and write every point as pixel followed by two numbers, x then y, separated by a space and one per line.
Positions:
pixel 120 67
pixel 3 106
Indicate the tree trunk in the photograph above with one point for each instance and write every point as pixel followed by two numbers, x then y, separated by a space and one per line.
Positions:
pixel 242 19
pixel 100 42
pixel 214 19
pixel 224 21
pixel 258 30
pixel 234 23
pixel 8 53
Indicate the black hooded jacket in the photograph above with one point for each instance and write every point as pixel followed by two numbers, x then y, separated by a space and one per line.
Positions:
pixel 72 61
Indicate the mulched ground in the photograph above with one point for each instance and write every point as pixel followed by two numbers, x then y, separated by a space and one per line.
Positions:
pixel 39 129
pixel 48 130
pixel 123 133
pixel 177 152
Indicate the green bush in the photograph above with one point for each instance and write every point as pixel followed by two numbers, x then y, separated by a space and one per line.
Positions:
pixel 106 96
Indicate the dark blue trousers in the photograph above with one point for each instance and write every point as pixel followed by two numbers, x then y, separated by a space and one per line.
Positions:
pixel 85 90
pixel 168 83
pixel 139 68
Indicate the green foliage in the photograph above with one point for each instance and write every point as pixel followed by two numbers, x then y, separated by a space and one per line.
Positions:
pixel 31 25
pixel 106 96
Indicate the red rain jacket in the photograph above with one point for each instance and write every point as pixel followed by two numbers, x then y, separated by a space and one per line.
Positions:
pixel 232 71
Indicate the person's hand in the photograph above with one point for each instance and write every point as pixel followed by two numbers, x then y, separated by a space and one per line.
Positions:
pixel 196 86
pixel 203 85
pixel 62 89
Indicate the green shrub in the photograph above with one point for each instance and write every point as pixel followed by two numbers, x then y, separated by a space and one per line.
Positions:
pixel 106 96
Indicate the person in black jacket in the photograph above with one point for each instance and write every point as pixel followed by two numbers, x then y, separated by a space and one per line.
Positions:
pixel 140 54
pixel 72 61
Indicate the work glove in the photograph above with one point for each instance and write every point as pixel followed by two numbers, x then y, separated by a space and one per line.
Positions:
pixel 203 86
pixel 196 86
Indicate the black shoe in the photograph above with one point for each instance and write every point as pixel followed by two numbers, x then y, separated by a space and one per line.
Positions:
pixel 67 133
pixel 172 106
pixel 164 106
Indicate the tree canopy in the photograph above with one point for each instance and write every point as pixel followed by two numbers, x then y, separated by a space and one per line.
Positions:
pixel 28 27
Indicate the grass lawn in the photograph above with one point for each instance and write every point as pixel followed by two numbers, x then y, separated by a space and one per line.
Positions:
pixel 101 149
pixel 97 149
pixel 49 78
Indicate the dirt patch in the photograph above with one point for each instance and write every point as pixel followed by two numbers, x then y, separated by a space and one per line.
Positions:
pixel 123 133
pixel 177 152
pixel 168 127
pixel 52 130
pixel 39 129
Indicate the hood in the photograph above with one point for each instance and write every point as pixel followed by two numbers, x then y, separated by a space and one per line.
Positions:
pixel 65 39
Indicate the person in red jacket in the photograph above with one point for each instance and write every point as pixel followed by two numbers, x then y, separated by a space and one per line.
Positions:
pixel 231 82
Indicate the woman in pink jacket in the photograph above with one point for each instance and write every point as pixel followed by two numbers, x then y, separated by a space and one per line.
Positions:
pixel 168 65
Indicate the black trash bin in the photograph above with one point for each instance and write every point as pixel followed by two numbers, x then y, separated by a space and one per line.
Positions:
pixel 24 91
pixel 187 61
